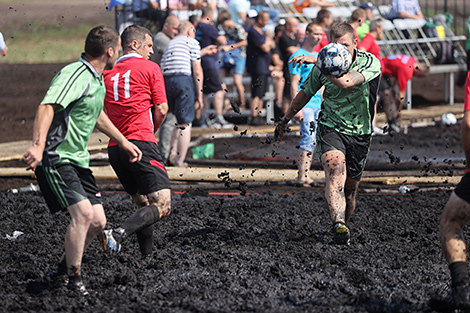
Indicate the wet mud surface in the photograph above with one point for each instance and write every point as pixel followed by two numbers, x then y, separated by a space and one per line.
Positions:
pixel 266 252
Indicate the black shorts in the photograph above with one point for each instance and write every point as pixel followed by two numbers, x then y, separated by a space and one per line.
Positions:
pixel 463 188
pixel 258 85
pixel 385 83
pixel 66 184
pixel 211 81
pixel 355 148
pixel 143 177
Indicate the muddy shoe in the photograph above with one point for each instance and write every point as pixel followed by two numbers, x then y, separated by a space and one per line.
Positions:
pixel 58 276
pixel 341 235
pixel 108 242
pixel 455 298
pixel 76 286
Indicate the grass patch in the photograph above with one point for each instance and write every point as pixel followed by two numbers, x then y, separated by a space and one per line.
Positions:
pixel 50 43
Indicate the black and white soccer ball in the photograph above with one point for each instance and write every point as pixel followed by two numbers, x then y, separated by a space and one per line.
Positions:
pixel 334 60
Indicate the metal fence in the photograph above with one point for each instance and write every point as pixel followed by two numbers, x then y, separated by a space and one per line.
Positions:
pixel 459 9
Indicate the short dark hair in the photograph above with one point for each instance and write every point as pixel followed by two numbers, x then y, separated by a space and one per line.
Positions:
pixel 134 32
pixel 99 39
pixel 309 27
pixel 341 29
pixel 223 17
pixel 323 14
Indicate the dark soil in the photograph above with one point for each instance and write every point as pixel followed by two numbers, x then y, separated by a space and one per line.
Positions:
pixel 266 252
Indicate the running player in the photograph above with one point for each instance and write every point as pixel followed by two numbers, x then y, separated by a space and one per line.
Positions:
pixel 455 215
pixel 63 125
pixel 136 103
pixel 344 125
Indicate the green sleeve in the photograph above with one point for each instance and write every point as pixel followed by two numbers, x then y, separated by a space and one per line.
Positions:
pixel 369 67
pixel 313 82
pixel 67 87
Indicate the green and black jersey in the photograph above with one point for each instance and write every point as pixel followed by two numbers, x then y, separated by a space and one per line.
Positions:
pixel 80 92
pixel 349 111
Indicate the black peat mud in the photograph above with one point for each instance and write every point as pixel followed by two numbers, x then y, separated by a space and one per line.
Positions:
pixel 267 252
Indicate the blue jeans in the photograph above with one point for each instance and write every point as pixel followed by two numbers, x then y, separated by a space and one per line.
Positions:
pixel 308 129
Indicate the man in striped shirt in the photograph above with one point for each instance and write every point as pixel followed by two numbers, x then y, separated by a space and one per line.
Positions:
pixel 181 67
pixel 64 122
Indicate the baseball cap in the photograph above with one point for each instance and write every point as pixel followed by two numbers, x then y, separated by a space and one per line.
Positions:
pixel 252 13
pixel 367 5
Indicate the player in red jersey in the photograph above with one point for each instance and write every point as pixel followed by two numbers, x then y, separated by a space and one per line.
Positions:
pixel 402 68
pixel 136 103
pixel 455 215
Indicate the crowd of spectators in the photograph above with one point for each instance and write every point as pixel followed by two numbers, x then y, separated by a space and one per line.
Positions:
pixel 243 38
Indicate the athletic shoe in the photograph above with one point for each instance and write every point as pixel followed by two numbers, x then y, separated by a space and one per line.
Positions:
pixel 394 128
pixel 341 235
pixel 76 285
pixel 58 276
pixel 108 242
pixel 257 121
pixel 220 122
pixel 377 131
pixel 449 300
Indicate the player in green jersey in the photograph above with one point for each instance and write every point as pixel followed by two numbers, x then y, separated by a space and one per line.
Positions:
pixel 64 122
pixel 344 125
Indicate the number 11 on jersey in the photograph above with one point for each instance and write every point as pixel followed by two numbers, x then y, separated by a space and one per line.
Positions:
pixel 115 80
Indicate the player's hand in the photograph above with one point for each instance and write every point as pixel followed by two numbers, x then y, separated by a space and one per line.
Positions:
pixel 302 59
pixel 33 157
pixel 281 129
pixel 132 150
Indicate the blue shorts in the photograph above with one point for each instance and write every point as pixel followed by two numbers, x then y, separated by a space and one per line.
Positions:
pixel 308 129
pixel 180 94
pixel 238 68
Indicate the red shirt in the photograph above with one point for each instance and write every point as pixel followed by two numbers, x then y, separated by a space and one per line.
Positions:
pixel 133 86
pixel 369 44
pixel 323 42
pixel 401 67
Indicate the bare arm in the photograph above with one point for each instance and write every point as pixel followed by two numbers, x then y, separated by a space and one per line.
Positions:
pixel 236 45
pixel 302 59
pixel 221 40
pixel 297 104
pixel 198 77
pixel 348 80
pixel 105 125
pixel 418 16
pixel 42 123
pixel 158 114
pixel 465 131
pixel 209 50
pixel 294 83
pixel 268 45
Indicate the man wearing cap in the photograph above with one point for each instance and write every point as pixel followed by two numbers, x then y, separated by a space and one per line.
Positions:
pixel 363 29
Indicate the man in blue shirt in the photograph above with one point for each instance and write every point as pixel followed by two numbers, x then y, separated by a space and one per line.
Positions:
pixel 309 114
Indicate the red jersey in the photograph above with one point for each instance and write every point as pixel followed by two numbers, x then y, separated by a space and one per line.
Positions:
pixel 467 93
pixel 323 42
pixel 133 87
pixel 401 67
pixel 369 44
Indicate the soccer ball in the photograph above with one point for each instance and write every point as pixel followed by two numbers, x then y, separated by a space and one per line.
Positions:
pixel 334 60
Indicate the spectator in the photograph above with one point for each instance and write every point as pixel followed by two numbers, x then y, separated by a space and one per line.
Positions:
pixel 300 5
pixel 288 44
pixel 207 34
pixel 325 19
pixel 151 10
pixel 405 9
pixel 258 60
pixel 260 5
pixel 363 29
pixel 309 114
pixel 183 74
pixel 194 19
pixel 3 46
pixel 234 52
pixel 238 10
pixel 160 41
pixel 276 68
pixel 358 17
pixel 402 68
